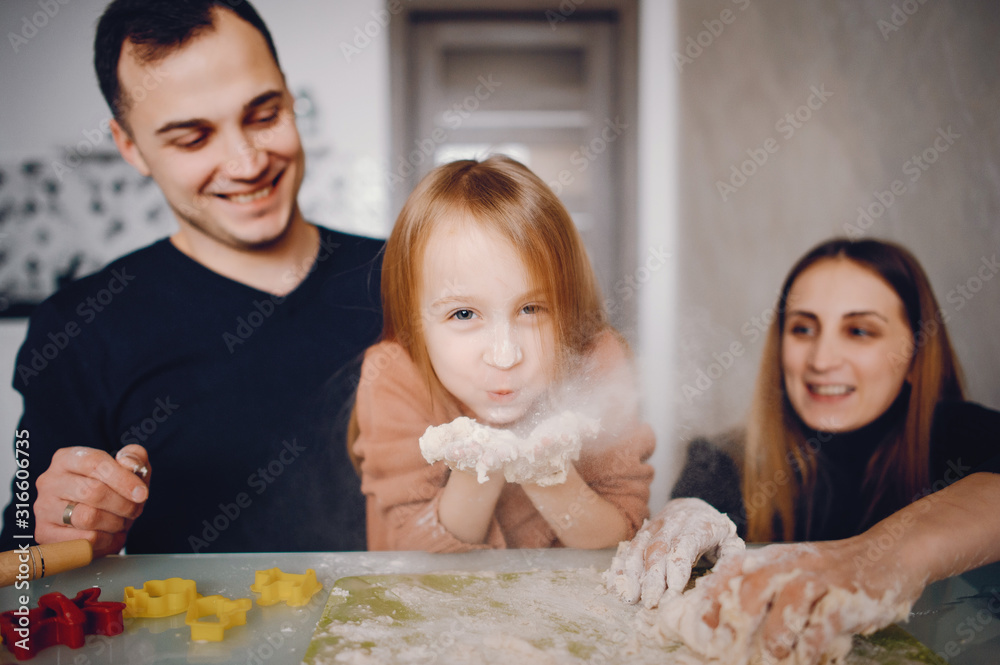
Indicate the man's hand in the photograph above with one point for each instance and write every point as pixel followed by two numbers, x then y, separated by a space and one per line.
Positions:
pixel 660 557
pixel 98 495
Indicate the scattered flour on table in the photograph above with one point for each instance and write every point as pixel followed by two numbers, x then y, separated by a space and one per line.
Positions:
pixel 541 457
pixel 537 618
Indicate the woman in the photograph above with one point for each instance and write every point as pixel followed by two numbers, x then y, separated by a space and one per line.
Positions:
pixel 857 420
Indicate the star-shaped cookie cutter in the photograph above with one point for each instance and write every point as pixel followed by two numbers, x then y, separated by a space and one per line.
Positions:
pixel 275 586
pixel 229 613
pixel 59 620
pixel 160 598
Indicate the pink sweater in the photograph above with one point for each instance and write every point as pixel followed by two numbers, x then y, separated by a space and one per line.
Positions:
pixel 394 408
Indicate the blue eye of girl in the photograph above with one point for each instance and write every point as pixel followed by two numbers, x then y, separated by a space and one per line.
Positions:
pixel 464 314
pixel 531 309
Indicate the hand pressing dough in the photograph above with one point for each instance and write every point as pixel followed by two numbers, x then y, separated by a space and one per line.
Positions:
pixel 543 457
pixel 737 640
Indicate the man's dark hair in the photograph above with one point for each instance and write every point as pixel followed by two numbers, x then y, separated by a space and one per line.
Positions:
pixel 156 27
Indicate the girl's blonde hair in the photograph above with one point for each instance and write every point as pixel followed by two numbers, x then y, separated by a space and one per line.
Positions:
pixel 777 452
pixel 504 197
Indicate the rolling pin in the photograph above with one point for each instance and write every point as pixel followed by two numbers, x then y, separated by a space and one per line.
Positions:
pixel 37 561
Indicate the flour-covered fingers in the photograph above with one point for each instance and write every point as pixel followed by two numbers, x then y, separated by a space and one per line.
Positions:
pixel 732 545
pixel 686 549
pixel 662 555
pixel 698 530
pixel 628 585
pixel 654 580
pixel 717 583
pixel 668 555
pixel 788 616
pixel 822 638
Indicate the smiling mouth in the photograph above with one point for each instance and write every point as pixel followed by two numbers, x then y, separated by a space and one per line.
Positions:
pixel 256 195
pixel 830 389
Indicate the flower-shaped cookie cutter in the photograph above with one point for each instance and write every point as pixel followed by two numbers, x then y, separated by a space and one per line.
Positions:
pixel 59 620
pixel 160 598
pixel 229 613
pixel 275 586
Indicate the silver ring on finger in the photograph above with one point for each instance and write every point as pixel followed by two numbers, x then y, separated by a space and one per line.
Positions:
pixel 68 513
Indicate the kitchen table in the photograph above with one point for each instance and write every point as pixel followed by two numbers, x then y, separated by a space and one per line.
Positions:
pixel 959 618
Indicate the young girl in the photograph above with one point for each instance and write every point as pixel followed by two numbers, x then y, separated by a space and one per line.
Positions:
pixel 491 309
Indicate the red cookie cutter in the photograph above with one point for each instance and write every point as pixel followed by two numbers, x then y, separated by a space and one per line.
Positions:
pixel 59 620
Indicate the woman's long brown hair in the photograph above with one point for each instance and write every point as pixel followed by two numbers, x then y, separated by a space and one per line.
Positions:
pixel 780 464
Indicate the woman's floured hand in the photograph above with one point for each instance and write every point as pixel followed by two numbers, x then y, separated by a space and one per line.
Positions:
pixel 660 558
pixel 794 603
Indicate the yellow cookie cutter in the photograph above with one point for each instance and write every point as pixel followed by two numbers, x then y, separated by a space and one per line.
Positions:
pixel 274 585
pixel 160 598
pixel 229 613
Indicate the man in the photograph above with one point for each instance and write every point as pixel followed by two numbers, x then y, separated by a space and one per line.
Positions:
pixel 223 358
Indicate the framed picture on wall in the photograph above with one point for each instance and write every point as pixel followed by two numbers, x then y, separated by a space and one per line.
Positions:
pixel 65 215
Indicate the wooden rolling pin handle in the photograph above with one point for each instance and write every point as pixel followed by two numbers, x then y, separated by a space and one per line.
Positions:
pixel 32 563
